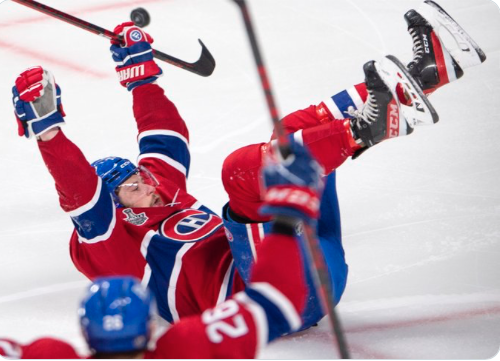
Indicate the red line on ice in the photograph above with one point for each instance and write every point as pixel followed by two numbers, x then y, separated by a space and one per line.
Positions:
pixel 46 59
pixel 422 321
pixel 89 10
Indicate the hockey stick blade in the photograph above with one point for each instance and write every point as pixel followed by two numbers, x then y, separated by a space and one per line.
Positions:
pixel 204 66
pixel 420 111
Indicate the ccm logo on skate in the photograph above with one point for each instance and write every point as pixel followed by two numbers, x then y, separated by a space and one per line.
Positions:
pixel 426 44
pixel 393 121
pixel 190 225
pixel 130 73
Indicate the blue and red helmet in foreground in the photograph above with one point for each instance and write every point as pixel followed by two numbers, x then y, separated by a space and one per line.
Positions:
pixel 115 315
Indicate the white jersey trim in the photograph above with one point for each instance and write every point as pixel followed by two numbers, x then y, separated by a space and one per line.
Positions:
pixel 299 137
pixel 172 285
pixel 281 301
pixel 145 243
pixel 355 97
pixel 170 133
pixel 171 162
pixel 251 241
pixel 146 276
pixel 87 207
pixel 11 351
pixel 332 107
pixel 196 205
pixel 260 319
pixel 225 284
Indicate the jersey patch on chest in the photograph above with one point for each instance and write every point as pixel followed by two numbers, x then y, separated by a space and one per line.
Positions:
pixel 190 225
pixel 135 219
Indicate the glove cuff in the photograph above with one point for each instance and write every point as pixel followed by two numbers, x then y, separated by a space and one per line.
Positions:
pixel 38 127
pixel 300 202
pixel 138 72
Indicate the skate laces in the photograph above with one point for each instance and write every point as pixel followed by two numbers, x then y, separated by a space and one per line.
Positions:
pixel 368 114
pixel 418 47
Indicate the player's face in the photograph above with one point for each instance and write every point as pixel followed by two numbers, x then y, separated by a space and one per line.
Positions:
pixel 139 191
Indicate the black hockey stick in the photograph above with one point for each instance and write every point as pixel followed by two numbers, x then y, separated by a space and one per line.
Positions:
pixel 318 266
pixel 204 66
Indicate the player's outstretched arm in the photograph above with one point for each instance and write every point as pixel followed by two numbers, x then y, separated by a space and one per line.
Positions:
pixel 39 112
pixel 163 135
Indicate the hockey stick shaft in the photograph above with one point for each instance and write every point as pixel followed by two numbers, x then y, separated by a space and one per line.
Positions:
pixel 318 266
pixel 203 67
pixel 264 79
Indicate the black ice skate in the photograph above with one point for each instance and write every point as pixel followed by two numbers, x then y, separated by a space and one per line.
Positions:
pixel 384 116
pixel 433 64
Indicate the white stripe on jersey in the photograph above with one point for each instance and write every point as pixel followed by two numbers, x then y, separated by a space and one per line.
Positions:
pixel 332 107
pixel 196 205
pixel 225 284
pixel 146 276
pixel 104 236
pixel 251 241
pixel 355 97
pixel 172 285
pixel 281 301
pixel 145 243
pixel 87 207
pixel 170 133
pixel 10 350
pixel 298 137
pixel 171 162
pixel 259 317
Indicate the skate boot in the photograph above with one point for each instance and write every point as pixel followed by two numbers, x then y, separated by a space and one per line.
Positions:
pixel 384 115
pixel 434 64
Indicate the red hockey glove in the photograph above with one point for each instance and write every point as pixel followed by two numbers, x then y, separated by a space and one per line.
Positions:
pixel 37 102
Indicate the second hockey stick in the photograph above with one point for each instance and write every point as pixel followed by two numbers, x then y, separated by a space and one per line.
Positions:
pixel 204 66
pixel 318 267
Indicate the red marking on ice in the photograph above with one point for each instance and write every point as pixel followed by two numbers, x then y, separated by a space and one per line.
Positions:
pixel 83 11
pixel 44 58
pixel 426 320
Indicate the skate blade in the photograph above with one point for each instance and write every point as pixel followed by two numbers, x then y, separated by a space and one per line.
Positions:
pixel 420 111
pixel 467 53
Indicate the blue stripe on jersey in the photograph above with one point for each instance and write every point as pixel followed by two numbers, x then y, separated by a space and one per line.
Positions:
pixel 239 243
pixel 161 258
pixel 277 322
pixel 167 145
pixel 343 101
pixel 207 210
pixel 93 224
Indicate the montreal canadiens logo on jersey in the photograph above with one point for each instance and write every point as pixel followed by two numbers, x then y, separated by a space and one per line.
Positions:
pixel 136 35
pixel 190 225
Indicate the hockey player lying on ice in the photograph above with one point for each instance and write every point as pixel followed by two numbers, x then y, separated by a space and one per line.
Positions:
pixel 140 220
pixel 116 313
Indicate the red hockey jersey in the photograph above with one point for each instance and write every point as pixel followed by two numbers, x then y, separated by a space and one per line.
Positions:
pixel 236 328
pixel 180 250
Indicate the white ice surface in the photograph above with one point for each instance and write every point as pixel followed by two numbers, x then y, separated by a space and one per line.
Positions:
pixel 421 214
